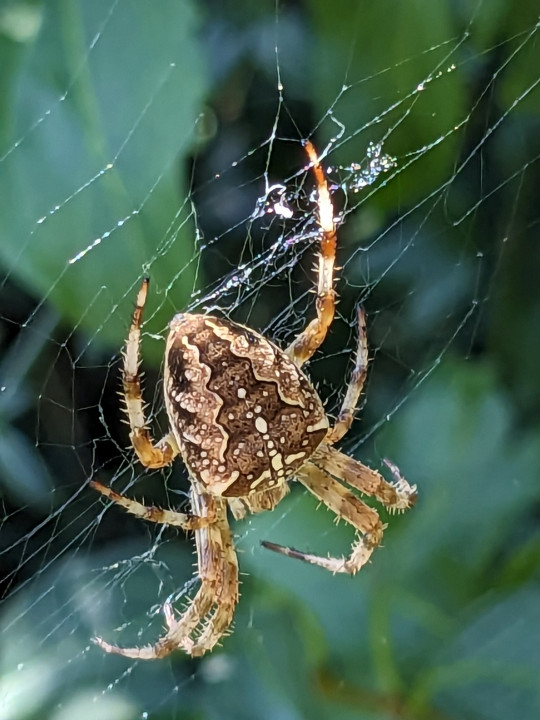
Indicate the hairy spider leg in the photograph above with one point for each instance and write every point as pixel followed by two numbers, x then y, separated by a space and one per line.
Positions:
pixel 347 506
pixel 151 513
pixel 307 342
pixel 356 383
pixel 218 570
pixel 151 454
pixel 396 497
pixel 221 571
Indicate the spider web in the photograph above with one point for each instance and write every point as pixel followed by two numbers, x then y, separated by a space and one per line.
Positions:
pixel 168 141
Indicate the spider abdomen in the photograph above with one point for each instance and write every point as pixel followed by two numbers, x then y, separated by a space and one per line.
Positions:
pixel 243 414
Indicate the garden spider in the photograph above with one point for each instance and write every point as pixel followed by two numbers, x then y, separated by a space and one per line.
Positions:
pixel 246 420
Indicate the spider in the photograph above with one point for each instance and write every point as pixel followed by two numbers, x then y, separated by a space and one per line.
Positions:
pixel 246 420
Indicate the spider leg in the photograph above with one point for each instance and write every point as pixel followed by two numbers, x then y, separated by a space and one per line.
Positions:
pixel 151 512
pixel 347 506
pixel 151 454
pixel 225 601
pixel 396 497
pixel 307 342
pixel 356 383
pixel 218 570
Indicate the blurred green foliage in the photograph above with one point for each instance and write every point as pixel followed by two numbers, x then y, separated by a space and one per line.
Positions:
pixel 445 623
pixel 95 166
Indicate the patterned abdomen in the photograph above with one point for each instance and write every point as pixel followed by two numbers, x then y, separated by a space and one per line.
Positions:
pixel 244 416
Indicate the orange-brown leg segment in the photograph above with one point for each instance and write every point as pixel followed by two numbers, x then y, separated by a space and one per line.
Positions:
pixel 347 506
pixel 396 497
pixel 151 454
pixel 356 383
pixel 210 613
pixel 303 347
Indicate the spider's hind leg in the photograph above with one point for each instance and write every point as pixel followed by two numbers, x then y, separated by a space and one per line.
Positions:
pixel 197 631
pixel 347 506
pixel 396 497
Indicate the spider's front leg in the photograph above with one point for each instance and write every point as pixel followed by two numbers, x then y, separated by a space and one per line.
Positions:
pixel 303 347
pixel 151 454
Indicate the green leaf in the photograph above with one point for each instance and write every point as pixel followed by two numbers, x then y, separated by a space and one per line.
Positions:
pixel 95 172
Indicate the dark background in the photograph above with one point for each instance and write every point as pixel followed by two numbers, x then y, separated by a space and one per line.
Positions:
pixel 146 132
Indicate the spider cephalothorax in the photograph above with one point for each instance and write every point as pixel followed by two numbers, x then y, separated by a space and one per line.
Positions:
pixel 246 420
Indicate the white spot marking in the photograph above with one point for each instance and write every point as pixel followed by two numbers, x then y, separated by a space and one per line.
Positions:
pixel 295 456
pixel 266 475
pixel 261 425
